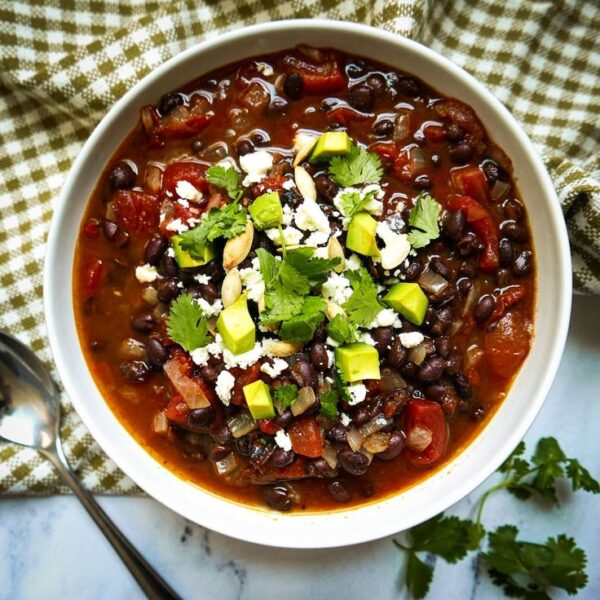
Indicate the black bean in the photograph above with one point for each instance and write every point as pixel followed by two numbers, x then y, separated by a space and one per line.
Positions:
pixel 320 334
pixel 506 252
pixel 134 370
pixel 466 269
pixel 168 266
pixel 453 364
pixel 278 497
pixel 361 415
pixel 260 138
pixel 122 177
pixel 478 413
pixel 397 355
pixel 454 224
pixel 338 491
pixel 383 128
pixel 154 250
pixel 282 458
pixel 222 435
pixel 436 160
pixel 319 467
pixel 435 391
pixel 326 187
pixel 443 346
pixel 143 321
pixel 200 417
pixel 354 70
pixel 157 353
pixel 467 245
pixel 484 308
pixel 169 102
pixel 491 171
pixel 304 373
pixel 422 182
pixel 413 271
pixel 109 228
pixel 209 291
pixel 244 147
pixel 503 277
pixel 419 137
pixel 168 290
pixel 432 369
pixel 362 97
pixel 462 385
pixel 463 285
pixel 441 321
pixel 218 452
pixel 352 462
pixel 395 401
pixel 285 418
pixel 514 210
pixel 383 336
pixel 396 446
pixel 409 370
pixel 337 433
pixel 514 231
pixel 243 445
pixel 197 146
pixel 454 132
pixel 440 267
pixel 461 153
pixel 209 374
pixel 293 85
pixel 278 106
pixel 318 356
pixel 523 264
pixel 408 86
pixel 377 83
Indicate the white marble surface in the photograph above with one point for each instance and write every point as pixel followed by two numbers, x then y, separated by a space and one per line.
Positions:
pixel 50 549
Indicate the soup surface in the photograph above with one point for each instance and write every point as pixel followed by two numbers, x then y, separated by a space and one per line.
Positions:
pixel 305 280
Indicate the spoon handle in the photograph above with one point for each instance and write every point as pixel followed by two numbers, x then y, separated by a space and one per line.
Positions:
pixel 152 584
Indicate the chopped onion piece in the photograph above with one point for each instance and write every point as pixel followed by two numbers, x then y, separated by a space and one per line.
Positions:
pixel 160 423
pixel 226 465
pixel 472 296
pixel 454 328
pixel 419 438
pixel 378 442
pixel 306 398
pixel 418 353
pixel 241 425
pixel 150 296
pixel 131 349
pixel 355 439
pixel 147 117
pixel 374 425
pixel 391 380
pixel 192 393
pixel 153 178
pixel 368 454
pixel 432 282
pixel 330 456
pixel 402 126
pixel 499 190
pixel 472 356
pixel 417 160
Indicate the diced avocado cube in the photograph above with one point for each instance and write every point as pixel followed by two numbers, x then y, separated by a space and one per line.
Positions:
pixel 357 362
pixel 331 143
pixel 185 260
pixel 237 327
pixel 258 398
pixel 409 300
pixel 361 235
pixel 266 211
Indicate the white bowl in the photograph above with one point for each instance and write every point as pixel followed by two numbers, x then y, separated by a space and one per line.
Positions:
pixel 446 486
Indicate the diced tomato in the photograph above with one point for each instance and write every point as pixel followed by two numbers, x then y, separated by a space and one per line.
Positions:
pixel 462 115
pixel 273 183
pixel 92 228
pixel 507 344
pixel 91 276
pixel 506 299
pixel 189 171
pixel 268 426
pixel 429 415
pixel 345 115
pixel 243 377
pixel 183 121
pixel 484 226
pixel 324 78
pixel 403 167
pixel 434 133
pixel 470 181
pixel 177 410
pixel 136 211
pixel 387 152
pixel 473 376
pixel 306 437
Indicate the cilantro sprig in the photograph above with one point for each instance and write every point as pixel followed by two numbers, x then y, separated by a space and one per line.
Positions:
pixel 329 401
pixel 423 218
pixel 301 327
pixel 352 201
pixel 342 330
pixel 523 569
pixel 355 168
pixel 363 305
pixel 227 178
pixel 186 324
pixel 284 396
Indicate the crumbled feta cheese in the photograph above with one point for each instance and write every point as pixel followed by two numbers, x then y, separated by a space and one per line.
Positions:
pixel 243 360
pixel 358 392
pixel 210 310
pixel 224 386
pixel 177 225
pixel 291 235
pixel 200 356
pixel 288 184
pixel 320 252
pixel 330 359
pixel 316 238
pixel 183 202
pixel 184 189
pixel 288 213
pixel 353 263
pixel 146 273
pixel 384 318
pixel 202 278
pixel 310 217
pixel 384 231
pixel 253 281
pixel 256 165
pixel 345 420
pixel 273 370
pixel 265 68
pixel 171 252
pixel 397 324
pixel 331 342
pixel 283 440
pixel 366 338
pixel 337 288
pixel 411 339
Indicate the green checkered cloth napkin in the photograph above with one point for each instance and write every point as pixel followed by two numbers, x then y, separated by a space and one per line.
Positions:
pixel 65 62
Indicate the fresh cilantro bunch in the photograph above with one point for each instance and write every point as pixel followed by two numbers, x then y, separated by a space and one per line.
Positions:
pixel 364 304
pixel 301 327
pixel 342 330
pixel 357 167
pixel 424 219
pixel 186 324
pixel 353 201
pixel 227 178
pixel 523 569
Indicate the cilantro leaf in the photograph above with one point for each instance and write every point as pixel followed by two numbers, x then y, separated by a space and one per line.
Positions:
pixel 186 324
pixel 329 400
pixel 356 167
pixel 284 396
pixel 549 458
pixel 226 222
pixel 342 330
pixel 581 478
pixel 227 178
pixel 507 464
pixel 363 305
pixel 424 218
pixel 528 570
pixel 301 327
pixel 314 269
pixel 352 201
pixel 340 385
pixel 418 576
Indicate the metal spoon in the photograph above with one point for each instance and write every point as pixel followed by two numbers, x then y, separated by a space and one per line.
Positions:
pixel 30 416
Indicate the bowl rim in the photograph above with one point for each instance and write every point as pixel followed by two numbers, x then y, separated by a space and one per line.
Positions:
pixel 340 531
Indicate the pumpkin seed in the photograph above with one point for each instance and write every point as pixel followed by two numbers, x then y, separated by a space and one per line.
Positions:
pixel 333 310
pixel 283 348
pixel 335 250
pixel 231 289
pixel 237 248
pixel 303 144
pixel 305 184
